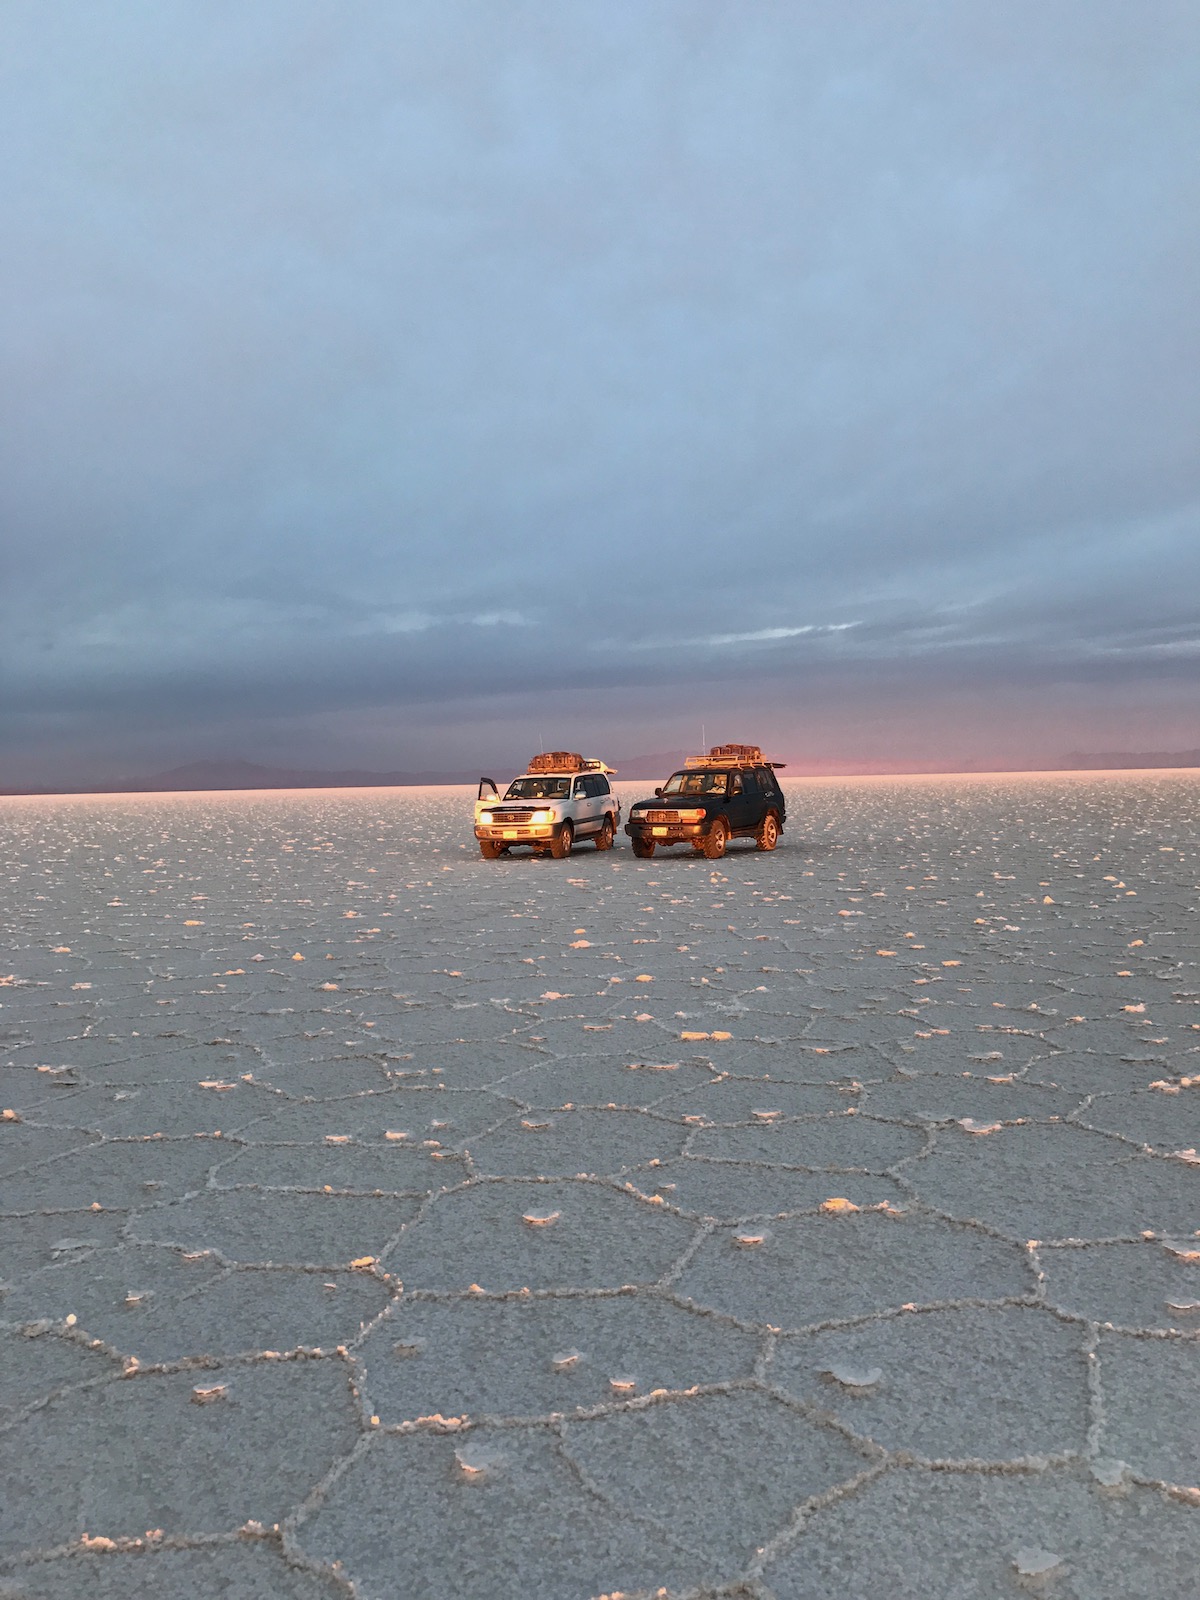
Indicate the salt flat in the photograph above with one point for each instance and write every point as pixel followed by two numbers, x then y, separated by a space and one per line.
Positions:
pixel 380 1221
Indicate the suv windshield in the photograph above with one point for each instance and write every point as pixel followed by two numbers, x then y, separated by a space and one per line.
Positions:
pixel 538 789
pixel 695 783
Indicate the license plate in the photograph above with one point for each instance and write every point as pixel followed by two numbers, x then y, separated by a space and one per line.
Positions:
pixel 510 833
pixel 661 833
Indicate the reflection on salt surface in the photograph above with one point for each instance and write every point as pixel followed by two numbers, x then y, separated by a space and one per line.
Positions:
pixel 299 1076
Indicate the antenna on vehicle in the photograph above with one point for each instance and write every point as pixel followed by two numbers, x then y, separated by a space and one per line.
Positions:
pixel 703 738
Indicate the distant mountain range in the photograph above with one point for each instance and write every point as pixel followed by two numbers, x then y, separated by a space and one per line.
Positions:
pixel 1145 758
pixel 237 774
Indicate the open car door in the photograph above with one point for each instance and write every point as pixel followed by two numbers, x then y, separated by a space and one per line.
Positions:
pixel 487 790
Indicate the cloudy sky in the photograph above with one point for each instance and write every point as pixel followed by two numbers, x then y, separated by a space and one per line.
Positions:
pixel 415 385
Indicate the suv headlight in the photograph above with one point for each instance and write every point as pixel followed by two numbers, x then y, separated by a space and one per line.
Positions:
pixel 696 815
pixel 542 816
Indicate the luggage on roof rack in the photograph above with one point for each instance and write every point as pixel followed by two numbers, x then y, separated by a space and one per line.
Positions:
pixel 732 755
pixel 736 752
pixel 557 761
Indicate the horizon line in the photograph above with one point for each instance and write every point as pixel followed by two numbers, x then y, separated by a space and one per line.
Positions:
pixel 802 778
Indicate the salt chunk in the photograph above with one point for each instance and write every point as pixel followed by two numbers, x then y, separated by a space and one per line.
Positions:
pixel 474 1462
pixel 1033 1562
pixel 853 1377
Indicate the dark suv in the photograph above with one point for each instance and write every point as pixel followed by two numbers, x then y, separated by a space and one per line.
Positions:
pixel 731 793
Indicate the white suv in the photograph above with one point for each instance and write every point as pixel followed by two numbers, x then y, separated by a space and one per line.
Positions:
pixel 560 799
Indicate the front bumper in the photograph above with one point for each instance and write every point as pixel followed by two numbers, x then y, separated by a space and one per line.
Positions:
pixel 516 834
pixel 666 832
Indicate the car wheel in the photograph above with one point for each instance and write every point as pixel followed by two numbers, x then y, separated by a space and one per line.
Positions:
pixel 716 839
pixel 604 839
pixel 560 845
pixel 643 848
pixel 767 836
pixel 490 850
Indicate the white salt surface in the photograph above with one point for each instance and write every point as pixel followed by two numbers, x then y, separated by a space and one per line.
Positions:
pixel 380 1221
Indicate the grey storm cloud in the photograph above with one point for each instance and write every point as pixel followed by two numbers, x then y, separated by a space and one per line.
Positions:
pixel 404 356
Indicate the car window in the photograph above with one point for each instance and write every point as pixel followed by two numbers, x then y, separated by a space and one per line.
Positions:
pixel 735 783
pixel 532 788
pixel 695 783
pixel 601 785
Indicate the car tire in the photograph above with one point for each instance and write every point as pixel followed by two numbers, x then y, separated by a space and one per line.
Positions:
pixel 643 848
pixel 490 850
pixel 604 839
pixel 767 836
pixel 560 845
pixel 716 839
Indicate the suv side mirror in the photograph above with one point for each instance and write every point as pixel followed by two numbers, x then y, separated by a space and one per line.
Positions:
pixel 658 794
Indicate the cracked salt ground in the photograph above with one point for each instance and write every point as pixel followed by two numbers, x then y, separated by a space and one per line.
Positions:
pixel 339 1175
pixel 281 1425
pixel 755 1100
pixel 170 1308
pixel 969 1384
pixel 1153 1118
pixel 827 1268
pixel 569 1142
pixel 585 1080
pixel 477 1237
pixel 531 1357
pixel 1148 1389
pixel 914 1534
pixel 261 1225
pixel 946 1099
pixel 252 1568
pixel 727 1191
pixel 1129 1286
pixel 843 1140
pixel 1057 1182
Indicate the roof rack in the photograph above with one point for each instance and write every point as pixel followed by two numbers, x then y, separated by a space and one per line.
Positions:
pixel 733 755
pixel 563 761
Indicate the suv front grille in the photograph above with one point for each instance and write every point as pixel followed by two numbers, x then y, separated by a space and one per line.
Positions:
pixel 510 817
pixel 662 816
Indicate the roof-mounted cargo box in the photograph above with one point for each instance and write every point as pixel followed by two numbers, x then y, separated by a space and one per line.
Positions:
pixel 566 761
pixel 733 755
pixel 557 761
pixel 736 752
